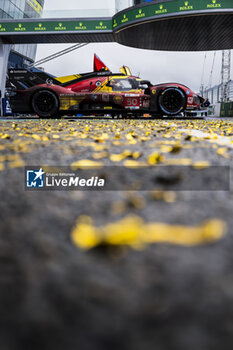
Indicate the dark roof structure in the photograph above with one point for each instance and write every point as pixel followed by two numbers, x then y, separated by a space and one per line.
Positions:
pixel 174 25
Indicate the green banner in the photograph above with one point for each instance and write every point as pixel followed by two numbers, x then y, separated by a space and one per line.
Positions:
pixel 126 17
pixel 55 26
pixel 179 6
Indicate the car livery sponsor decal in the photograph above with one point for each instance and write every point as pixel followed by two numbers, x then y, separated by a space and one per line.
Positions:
pixel 94 97
pixel 190 100
pixel 132 95
pixel 105 98
pixel 98 83
pixel 118 99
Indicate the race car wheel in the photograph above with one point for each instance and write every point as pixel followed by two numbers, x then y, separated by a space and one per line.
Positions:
pixel 172 101
pixel 45 103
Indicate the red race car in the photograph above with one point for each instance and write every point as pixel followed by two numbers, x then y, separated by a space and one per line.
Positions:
pixel 100 92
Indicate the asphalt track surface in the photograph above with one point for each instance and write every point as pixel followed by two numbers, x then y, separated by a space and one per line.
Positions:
pixel 138 286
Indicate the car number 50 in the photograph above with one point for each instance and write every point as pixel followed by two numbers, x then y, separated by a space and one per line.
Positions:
pixel 132 102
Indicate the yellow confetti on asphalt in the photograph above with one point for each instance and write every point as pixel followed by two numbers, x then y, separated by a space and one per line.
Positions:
pixel 222 151
pixel 131 163
pixel 5 136
pixel 85 235
pixel 36 137
pixel 166 196
pixel 117 157
pixel 165 148
pixel 117 136
pixel 136 155
pixel 178 161
pixel 125 154
pixel 100 155
pixel 207 232
pixel 201 165
pixel 2 166
pixel 132 231
pixel 85 163
pixel 16 164
pixel 155 158
pixel 176 149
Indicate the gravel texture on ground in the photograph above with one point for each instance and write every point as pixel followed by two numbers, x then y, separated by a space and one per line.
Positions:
pixel 116 294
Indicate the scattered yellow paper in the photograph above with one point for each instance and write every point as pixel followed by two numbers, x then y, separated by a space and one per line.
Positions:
pixel 155 158
pixel 16 164
pixel 85 163
pixel 5 136
pixel 166 196
pixel 222 151
pixel 134 232
pixel 201 165
pixel 99 155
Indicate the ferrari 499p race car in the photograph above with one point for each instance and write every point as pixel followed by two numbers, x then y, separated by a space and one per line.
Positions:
pixel 97 93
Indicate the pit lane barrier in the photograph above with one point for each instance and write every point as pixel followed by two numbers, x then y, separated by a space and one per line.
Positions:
pixel 223 109
pixel 226 109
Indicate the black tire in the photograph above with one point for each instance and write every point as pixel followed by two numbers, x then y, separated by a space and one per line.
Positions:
pixel 45 103
pixel 172 101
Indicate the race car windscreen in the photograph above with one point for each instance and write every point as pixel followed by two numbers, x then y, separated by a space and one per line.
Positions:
pixel 123 84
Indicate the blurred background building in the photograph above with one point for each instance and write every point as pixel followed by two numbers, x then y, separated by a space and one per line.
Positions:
pixel 136 2
pixel 123 4
pixel 21 55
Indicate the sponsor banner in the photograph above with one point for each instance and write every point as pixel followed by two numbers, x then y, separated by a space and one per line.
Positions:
pixel 129 177
pixel 65 25
pixel 165 8
pixel 125 17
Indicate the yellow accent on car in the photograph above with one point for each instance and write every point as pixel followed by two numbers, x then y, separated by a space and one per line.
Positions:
pixel 67 78
pixel 125 70
pixel 67 102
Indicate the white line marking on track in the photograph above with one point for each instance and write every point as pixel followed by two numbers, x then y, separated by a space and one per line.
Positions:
pixel 220 140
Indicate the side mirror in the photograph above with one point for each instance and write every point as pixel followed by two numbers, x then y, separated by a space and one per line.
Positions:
pixel 145 82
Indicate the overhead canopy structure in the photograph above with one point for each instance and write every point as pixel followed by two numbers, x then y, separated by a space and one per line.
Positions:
pixel 61 30
pixel 193 25
pixel 169 25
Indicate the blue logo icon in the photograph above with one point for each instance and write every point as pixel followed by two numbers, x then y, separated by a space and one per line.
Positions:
pixel 35 178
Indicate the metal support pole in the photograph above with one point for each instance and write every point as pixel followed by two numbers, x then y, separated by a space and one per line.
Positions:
pixel 225 75
pixel 4 56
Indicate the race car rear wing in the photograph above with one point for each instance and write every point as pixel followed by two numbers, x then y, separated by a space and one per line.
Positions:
pixel 24 78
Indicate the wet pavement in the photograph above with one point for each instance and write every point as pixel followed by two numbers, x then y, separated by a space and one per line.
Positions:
pixel 137 269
